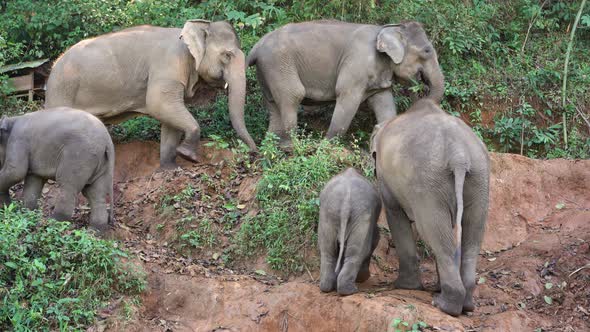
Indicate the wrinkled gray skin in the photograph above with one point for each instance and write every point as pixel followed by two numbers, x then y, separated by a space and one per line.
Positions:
pixel 314 63
pixel 347 231
pixel 152 70
pixel 433 170
pixel 69 146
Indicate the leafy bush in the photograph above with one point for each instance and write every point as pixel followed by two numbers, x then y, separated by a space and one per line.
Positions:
pixel 55 277
pixel 490 51
pixel 288 197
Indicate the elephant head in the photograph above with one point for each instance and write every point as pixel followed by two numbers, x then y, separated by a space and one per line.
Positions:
pixel 413 55
pixel 220 62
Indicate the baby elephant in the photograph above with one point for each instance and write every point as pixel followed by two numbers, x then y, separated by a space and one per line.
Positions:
pixel 69 146
pixel 347 233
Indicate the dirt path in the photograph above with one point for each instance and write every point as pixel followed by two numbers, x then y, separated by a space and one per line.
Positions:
pixel 534 271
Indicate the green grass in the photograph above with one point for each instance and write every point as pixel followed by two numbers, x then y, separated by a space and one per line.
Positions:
pixel 54 277
pixel 287 196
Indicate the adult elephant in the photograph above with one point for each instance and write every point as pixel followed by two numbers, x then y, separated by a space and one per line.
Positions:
pixel 433 170
pixel 152 70
pixel 317 62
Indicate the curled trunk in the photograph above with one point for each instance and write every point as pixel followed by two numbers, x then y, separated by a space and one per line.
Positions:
pixel 435 80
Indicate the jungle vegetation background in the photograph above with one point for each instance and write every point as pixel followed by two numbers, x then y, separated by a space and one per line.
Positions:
pixel 503 60
pixel 504 68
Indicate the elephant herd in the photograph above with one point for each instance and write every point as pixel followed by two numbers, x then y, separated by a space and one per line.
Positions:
pixel 431 170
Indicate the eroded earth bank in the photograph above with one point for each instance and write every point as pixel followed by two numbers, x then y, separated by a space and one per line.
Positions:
pixel 534 270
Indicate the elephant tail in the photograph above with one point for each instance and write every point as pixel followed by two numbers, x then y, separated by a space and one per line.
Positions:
pixel 459 174
pixel 252 55
pixel 251 58
pixel 344 215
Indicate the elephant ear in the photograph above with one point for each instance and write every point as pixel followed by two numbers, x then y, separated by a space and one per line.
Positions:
pixel 390 40
pixel 194 35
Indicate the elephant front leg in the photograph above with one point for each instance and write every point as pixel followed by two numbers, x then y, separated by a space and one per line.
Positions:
pixel 383 105
pixel 327 272
pixel 13 171
pixel 169 141
pixel 32 192
pixel 346 107
pixel 405 246
pixel 165 102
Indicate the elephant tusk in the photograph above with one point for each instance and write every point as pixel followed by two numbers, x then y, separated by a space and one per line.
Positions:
pixel 225 86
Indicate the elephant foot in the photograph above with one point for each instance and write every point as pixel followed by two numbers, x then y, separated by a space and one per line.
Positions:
pixel 327 286
pixel 347 289
pixel 167 166
pixel 449 307
pixel 188 153
pixel 408 283
pixel 468 305
pixel 60 216
pixel 286 145
pixel 100 227
pixel 363 275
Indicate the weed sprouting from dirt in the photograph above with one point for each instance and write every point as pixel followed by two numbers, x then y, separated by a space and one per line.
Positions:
pixel 55 277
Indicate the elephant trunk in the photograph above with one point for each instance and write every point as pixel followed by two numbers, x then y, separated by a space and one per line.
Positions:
pixel 235 76
pixel 435 81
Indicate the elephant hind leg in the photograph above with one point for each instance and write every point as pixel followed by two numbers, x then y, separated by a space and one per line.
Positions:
pixel 409 276
pixel 474 218
pixel 275 123
pixel 327 242
pixel 434 226
pixel 32 192
pixel 288 92
pixel 96 194
pixel 73 172
pixel 349 273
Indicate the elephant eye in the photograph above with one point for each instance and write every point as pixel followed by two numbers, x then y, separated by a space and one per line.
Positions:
pixel 227 56
pixel 427 50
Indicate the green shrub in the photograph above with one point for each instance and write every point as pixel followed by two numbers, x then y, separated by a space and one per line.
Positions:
pixel 55 277
pixel 287 195
pixel 140 128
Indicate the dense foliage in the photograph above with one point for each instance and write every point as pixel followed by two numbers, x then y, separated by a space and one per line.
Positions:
pixel 503 60
pixel 53 277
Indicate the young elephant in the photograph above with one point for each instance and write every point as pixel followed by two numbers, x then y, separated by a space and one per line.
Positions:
pixel 69 146
pixel 347 233
pixel 433 170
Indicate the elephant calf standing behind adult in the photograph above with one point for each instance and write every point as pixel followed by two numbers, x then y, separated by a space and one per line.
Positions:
pixel 347 231
pixel 434 171
pixel 69 146
pixel 151 70
pixel 319 62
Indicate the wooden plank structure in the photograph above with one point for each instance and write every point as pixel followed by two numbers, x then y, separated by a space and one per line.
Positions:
pixel 27 78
